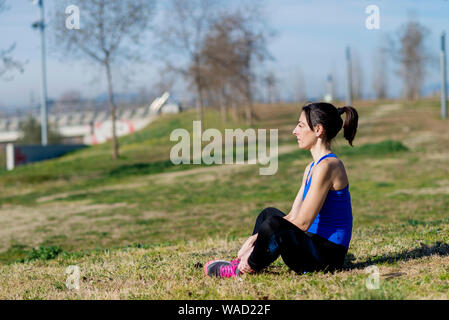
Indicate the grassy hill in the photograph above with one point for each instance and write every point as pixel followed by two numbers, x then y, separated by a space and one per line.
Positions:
pixel 141 227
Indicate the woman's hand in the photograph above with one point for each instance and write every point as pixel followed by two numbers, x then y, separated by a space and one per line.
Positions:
pixel 243 265
pixel 248 244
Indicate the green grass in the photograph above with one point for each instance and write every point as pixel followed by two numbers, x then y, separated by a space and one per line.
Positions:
pixel 147 226
pixel 380 149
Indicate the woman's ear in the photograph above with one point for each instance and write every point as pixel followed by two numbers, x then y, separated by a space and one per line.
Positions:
pixel 319 130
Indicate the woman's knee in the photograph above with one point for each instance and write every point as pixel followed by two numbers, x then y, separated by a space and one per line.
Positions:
pixel 270 211
pixel 271 225
pixel 264 215
pixel 267 211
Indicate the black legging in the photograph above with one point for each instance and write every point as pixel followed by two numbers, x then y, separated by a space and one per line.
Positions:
pixel 301 251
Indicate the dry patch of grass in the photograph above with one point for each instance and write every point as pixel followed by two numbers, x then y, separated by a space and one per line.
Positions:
pixel 439 190
pixel 176 272
pixel 58 196
pixel 24 224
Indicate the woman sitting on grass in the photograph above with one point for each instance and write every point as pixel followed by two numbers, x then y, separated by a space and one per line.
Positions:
pixel 315 235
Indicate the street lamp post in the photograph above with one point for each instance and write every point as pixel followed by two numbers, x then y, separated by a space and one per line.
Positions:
pixel 348 77
pixel 443 77
pixel 41 26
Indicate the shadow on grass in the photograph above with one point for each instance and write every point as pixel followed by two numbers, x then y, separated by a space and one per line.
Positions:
pixel 438 248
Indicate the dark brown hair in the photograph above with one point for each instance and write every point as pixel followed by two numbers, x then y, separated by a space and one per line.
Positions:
pixel 329 117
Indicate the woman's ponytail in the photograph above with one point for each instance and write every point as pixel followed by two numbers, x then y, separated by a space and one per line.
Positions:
pixel 350 124
pixel 330 118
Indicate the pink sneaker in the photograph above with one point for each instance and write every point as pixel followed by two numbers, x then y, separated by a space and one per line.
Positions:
pixel 222 268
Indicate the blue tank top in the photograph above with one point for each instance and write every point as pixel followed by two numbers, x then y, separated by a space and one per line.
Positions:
pixel 334 221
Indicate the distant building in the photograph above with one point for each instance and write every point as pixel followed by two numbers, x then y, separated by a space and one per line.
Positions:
pixel 328 97
pixel 80 124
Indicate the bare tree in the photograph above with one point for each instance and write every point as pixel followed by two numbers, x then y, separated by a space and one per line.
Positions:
pixel 186 23
pixel 111 32
pixel 7 62
pixel 357 76
pixel 380 74
pixel 270 82
pixel 215 74
pixel 253 48
pixel 247 45
pixel 230 47
pixel 298 85
pixel 221 45
pixel 412 56
pixel 221 64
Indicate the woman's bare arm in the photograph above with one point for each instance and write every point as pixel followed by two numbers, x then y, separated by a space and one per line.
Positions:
pixel 298 200
pixel 290 217
pixel 319 187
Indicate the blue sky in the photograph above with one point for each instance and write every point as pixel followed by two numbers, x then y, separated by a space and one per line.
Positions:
pixel 311 36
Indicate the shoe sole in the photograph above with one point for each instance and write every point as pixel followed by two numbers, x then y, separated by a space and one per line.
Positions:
pixel 207 264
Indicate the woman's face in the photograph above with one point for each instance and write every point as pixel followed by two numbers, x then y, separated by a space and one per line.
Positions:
pixel 306 137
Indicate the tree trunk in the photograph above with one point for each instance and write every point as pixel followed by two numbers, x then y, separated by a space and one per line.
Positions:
pixel 199 104
pixel 223 101
pixel 115 152
pixel 235 111
pixel 199 91
pixel 249 105
pixel 249 112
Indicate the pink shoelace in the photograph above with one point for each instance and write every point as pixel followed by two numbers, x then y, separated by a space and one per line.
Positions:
pixel 229 271
pixel 235 261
